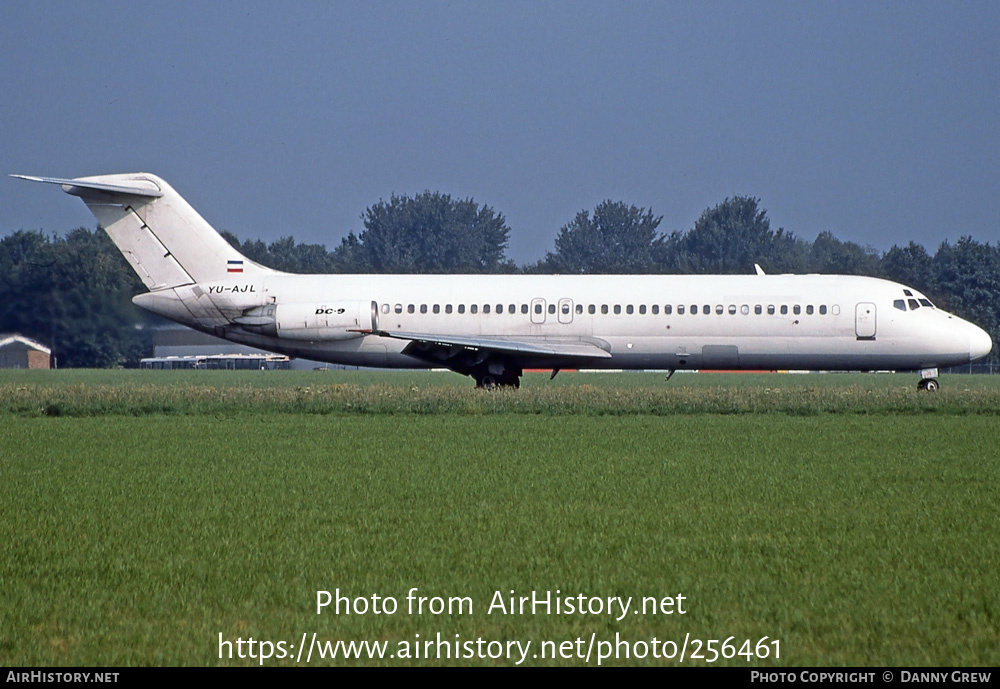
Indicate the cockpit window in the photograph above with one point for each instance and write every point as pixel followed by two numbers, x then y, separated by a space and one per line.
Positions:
pixel 914 302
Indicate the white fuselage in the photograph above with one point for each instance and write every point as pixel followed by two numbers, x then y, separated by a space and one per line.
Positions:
pixel 644 321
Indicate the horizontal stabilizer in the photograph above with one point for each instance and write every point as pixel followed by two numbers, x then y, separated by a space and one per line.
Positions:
pixel 139 187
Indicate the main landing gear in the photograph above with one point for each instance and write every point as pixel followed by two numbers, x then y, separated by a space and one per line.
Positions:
pixel 490 381
pixel 496 375
pixel 928 380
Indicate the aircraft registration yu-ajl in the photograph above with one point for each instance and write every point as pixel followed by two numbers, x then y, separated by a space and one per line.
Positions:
pixel 492 327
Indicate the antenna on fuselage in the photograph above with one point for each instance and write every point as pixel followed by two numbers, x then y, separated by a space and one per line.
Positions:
pixel 760 271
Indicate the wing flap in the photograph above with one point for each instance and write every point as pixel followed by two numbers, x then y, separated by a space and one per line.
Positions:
pixel 534 347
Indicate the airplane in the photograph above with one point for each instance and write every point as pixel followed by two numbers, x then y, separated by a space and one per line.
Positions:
pixel 492 327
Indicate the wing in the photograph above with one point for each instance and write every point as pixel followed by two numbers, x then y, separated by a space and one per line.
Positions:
pixel 458 352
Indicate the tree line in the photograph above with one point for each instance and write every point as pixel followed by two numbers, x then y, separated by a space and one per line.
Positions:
pixel 73 292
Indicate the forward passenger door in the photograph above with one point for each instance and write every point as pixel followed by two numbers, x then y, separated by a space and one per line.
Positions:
pixel 864 321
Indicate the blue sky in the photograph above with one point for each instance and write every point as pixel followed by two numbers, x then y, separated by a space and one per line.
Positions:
pixel 879 122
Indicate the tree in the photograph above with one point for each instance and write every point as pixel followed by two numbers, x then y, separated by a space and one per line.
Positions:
pixel 730 238
pixel 831 256
pixel 909 265
pixel 74 294
pixel 618 238
pixel 430 233
pixel 284 254
pixel 26 259
pixel 967 278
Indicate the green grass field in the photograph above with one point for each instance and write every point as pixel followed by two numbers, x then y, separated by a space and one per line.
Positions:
pixel 848 517
pixel 140 393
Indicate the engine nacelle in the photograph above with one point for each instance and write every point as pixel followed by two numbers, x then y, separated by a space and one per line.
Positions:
pixel 325 320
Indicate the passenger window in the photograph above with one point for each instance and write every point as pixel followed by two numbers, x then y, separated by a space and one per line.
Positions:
pixel 552 308
pixel 655 308
pixel 668 309
pixel 680 309
pixel 499 308
pixel 784 309
pixel 642 309
pixel 604 309
pixel 409 308
pixel 694 309
pixel 835 309
pixel 618 309
pixel 591 309
pixel 757 309
pixel 579 309
pixel 770 309
pixel 447 308
pixel 538 308
pixel 486 308
pixel 524 308
pixel 461 308
pixel 399 308
pixel 474 308
pixel 822 310
pixel 706 309
pixel 565 309
pixel 809 310
pixel 385 308
pixel 436 308
pixel 423 308
pixel 512 309
pixel 745 309
pixel 629 310
pixel 798 309
pixel 718 309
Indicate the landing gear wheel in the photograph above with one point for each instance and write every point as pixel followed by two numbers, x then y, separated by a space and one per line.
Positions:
pixel 928 384
pixel 505 377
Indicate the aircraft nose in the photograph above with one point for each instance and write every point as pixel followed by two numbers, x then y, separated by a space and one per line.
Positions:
pixel 980 343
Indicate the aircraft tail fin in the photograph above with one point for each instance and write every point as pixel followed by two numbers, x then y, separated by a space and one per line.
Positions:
pixel 164 239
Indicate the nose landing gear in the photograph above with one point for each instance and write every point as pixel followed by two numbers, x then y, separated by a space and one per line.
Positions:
pixel 928 380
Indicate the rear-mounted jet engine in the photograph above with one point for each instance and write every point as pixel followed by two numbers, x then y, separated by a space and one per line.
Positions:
pixel 325 320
